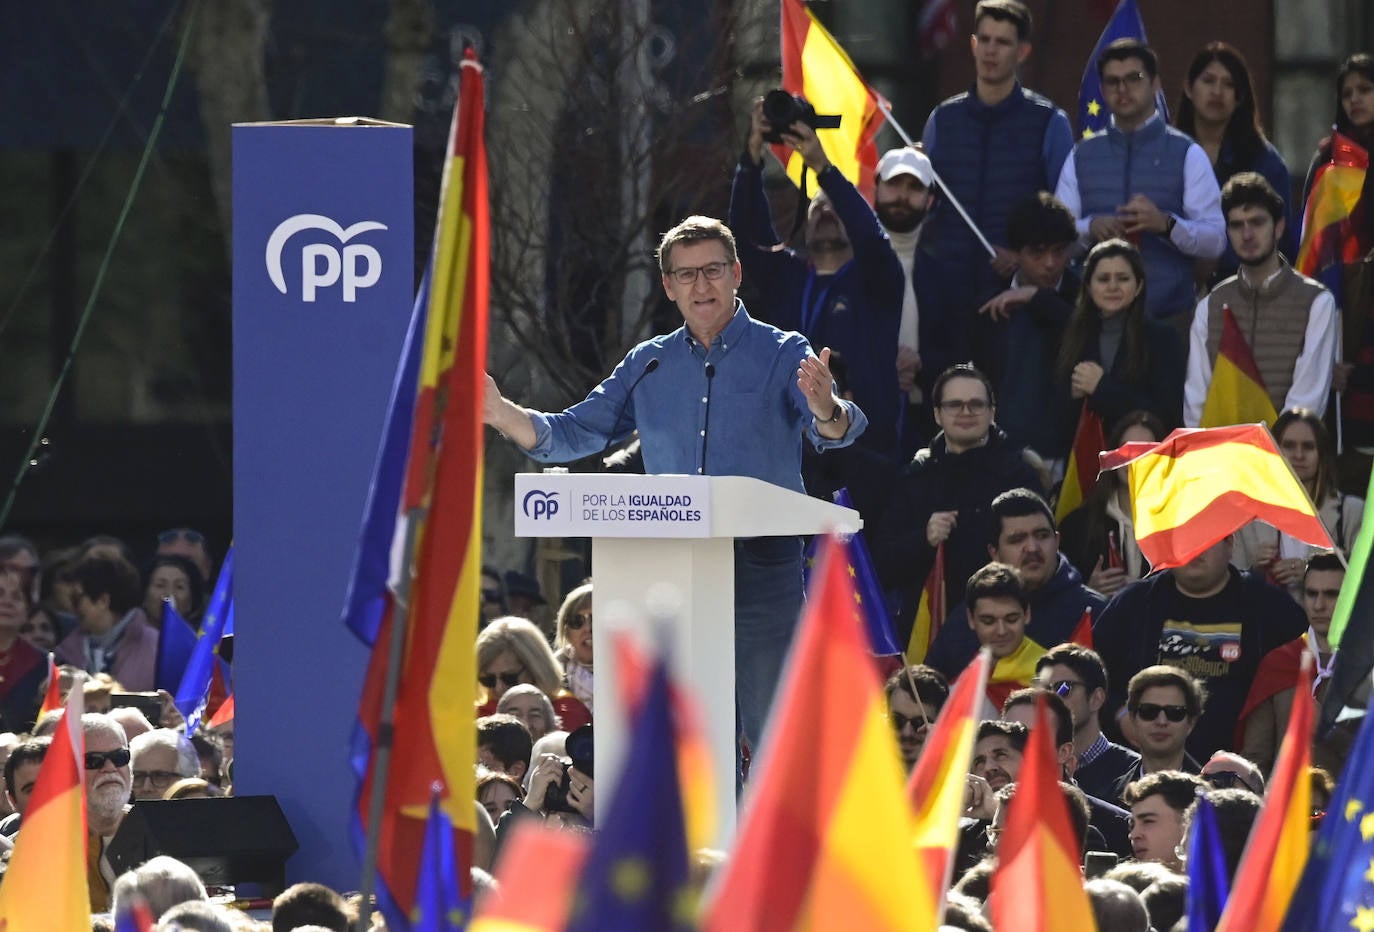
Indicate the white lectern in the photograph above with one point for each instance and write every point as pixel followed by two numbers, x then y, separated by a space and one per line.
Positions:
pixel 663 548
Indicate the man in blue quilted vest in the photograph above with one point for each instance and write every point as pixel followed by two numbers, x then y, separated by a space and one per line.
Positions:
pixel 1146 182
pixel 993 146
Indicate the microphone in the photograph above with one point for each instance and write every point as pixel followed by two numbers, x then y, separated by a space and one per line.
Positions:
pixel 650 366
pixel 706 420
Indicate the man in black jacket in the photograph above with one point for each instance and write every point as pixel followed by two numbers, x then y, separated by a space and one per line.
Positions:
pixel 945 494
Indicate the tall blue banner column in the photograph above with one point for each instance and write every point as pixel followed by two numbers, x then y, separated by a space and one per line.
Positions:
pixel 323 288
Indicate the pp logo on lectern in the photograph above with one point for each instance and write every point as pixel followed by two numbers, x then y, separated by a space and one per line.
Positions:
pixel 323 265
pixel 539 505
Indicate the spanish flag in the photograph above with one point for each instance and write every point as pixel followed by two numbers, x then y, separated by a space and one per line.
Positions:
pixel 825 838
pixel 930 612
pixel 434 737
pixel 1037 886
pixel 1277 850
pixel 814 66
pixel 536 880
pixel 45 885
pixel 1196 486
pixel 1328 223
pixel 52 698
pixel 1236 394
pixel 1081 474
pixel 936 787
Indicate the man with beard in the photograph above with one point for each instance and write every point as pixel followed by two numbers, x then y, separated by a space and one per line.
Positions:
pixel 1288 320
pixel 108 785
pixel 903 194
pixel 847 293
pixel 915 696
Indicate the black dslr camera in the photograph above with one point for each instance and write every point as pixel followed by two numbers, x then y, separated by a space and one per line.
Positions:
pixel 579 750
pixel 782 109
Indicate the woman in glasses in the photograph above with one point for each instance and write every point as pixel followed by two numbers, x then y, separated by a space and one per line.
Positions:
pixel 1114 357
pixel 23 668
pixel 573 643
pixel 511 651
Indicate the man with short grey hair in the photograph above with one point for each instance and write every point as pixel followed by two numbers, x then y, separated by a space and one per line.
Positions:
pixel 161 882
pixel 161 757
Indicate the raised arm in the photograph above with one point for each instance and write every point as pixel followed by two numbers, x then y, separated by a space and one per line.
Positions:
pixel 507 416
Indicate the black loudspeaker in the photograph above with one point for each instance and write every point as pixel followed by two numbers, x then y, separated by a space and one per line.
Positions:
pixel 226 841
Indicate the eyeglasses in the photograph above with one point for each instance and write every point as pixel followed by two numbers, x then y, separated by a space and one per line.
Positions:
pixel 575 622
pixel 181 533
pixel 687 275
pixel 160 779
pixel 900 721
pixel 1134 79
pixel 488 680
pixel 1148 712
pixel 972 406
pixel 1064 687
pixel 95 760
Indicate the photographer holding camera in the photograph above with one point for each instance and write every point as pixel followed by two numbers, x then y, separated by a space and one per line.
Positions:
pixel 562 788
pixel 847 292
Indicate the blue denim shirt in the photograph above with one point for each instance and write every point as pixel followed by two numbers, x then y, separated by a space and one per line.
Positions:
pixel 750 417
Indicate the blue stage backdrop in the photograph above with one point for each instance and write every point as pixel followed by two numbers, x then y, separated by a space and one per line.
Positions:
pixel 323 287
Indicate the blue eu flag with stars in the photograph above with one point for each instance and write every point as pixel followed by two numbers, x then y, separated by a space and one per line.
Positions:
pixel 1093 115
pixel 1337 886
pixel 637 871
pixel 873 605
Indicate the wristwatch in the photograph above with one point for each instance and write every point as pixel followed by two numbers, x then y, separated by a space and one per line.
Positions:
pixel 1169 225
pixel 834 418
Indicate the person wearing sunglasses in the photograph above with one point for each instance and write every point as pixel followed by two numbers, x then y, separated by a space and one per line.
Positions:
pixel 1075 673
pixel 108 785
pixel 573 643
pixel 915 695
pixel 1163 704
pixel 1225 770
pixel 511 651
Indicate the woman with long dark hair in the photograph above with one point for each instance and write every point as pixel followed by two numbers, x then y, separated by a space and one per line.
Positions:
pixel 1306 445
pixel 1354 373
pixel 1217 109
pixel 1098 537
pixel 1114 355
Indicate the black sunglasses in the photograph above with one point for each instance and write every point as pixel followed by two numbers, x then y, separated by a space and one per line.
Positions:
pixel 1149 711
pixel 488 680
pixel 575 622
pixel 95 760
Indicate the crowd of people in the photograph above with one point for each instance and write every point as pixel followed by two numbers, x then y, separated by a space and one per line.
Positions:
pixel 1089 276
pixel 956 353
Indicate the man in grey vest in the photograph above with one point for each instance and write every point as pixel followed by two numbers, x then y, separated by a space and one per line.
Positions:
pixel 1146 182
pixel 1288 320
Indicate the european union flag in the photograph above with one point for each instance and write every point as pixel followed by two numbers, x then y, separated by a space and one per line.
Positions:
pixel 1093 115
pixel 873 605
pixel 1337 886
pixel 439 904
pixel 637 872
pixel 176 641
pixel 1209 883
pixel 194 689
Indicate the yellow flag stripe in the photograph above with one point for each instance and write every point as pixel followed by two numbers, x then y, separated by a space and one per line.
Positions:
pixel 832 85
pixel 1235 398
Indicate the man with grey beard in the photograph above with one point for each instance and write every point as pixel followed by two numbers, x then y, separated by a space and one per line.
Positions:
pixel 108 784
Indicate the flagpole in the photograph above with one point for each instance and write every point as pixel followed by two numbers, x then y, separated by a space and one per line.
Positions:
pixel 386 731
pixel 886 107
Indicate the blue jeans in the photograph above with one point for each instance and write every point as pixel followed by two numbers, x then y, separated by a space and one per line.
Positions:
pixel 768 600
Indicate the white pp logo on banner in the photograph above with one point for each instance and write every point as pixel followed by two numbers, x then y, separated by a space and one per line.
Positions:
pixel 323 265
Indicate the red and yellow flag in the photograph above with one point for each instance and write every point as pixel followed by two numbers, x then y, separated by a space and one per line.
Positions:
pixel 1328 218
pixel 435 739
pixel 1197 485
pixel 1236 394
pixel 814 66
pixel 1037 886
pixel 936 787
pixel 45 885
pixel 1279 842
pixel 826 834
pixel 52 698
pixel 1081 473
pixel 694 774
pixel 536 881
pixel 930 612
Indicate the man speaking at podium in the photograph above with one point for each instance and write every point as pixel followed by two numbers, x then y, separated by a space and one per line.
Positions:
pixel 723 395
